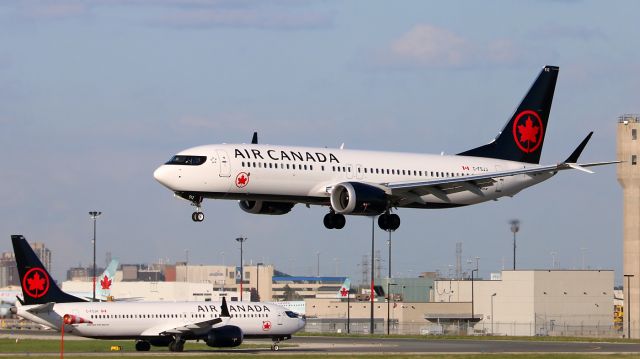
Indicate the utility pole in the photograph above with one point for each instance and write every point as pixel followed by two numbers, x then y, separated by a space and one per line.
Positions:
pixel 515 227
pixel 241 240
pixel 94 215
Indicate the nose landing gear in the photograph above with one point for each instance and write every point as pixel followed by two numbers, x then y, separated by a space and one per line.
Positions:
pixel 198 215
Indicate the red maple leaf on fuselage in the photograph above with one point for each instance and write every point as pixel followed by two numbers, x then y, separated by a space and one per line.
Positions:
pixel 528 132
pixel 105 282
pixel 36 283
pixel 242 180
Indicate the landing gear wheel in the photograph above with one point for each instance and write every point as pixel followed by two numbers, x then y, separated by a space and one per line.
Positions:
pixel 394 222
pixel 329 221
pixel 275 347
pixel 389 222
pixel 179 346
pixel 197 216
pixel 143 346
pixel 172 346
pixel 334 221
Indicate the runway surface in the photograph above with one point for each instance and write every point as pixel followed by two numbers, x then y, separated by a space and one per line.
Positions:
pixel 363 345
pixel 369 345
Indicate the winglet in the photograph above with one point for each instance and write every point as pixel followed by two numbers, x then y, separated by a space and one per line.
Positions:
pixel 224 309
pixel 573 158
pixel 254 139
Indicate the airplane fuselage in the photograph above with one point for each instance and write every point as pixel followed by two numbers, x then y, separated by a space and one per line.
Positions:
pixel 307 175
pixel 139 320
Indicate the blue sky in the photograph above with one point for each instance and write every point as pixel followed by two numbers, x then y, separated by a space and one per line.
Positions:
pixel 94 95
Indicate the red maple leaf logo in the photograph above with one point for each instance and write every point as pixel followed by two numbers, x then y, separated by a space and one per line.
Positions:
pixel 266 325
pixel 344 291
pixel 528 132
pixel 36 283
pixel 242 179
pixel 105 283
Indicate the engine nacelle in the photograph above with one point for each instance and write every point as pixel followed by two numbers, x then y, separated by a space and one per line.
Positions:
pixel 225 337
pixel 358 199
pixel 262 207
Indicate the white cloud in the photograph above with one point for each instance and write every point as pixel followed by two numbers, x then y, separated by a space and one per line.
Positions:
pixel 427 45
pixel 431 46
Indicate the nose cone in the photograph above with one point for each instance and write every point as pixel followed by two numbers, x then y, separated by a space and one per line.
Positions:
pixel 162 175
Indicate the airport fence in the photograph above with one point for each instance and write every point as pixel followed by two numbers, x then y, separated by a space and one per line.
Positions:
pixel 550 328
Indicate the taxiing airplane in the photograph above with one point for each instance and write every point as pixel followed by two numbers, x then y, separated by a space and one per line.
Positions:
pixel 269 179
pixel 168 324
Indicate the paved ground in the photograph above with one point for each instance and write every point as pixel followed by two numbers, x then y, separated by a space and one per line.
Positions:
pixel 319 345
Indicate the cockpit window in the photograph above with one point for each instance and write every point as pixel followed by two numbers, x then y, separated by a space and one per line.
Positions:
pixel 187 160
pixel 291 314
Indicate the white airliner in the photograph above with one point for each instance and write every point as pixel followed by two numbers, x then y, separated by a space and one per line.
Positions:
pixel 272 179
pixel 170 324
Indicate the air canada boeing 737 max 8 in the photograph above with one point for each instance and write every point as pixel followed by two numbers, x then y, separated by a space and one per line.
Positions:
pixel 269 179
pixel 167 324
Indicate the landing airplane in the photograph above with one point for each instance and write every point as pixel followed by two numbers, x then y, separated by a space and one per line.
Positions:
pixel 168 324
pixel 8 297
pixel 270 180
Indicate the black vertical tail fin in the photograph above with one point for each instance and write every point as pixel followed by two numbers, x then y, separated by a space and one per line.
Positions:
pixel 37 285
pixel 522 138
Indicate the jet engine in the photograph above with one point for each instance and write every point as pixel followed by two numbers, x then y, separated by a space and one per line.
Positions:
pixel 262 207
pixel 225 337
pixel 358 199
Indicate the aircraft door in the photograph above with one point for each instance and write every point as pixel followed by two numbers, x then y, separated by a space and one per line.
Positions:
pixel 279 318
pixel 499 180
pixel 225 166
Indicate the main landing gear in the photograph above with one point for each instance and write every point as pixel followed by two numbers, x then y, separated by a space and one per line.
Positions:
pixel 334 220
pixel 387 221
pixel 176 345
pixel 143 346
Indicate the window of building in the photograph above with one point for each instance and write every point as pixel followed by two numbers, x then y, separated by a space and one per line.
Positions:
pixel 634 160
pixel 634 134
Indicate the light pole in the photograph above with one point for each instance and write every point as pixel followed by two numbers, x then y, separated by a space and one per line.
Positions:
pixel 258 280
pixel 372 271
pixel 627 308
pixel 94 215
pixel 515 227
pixel 492 296
pixel 318 264
pixel 348 310
pixel 472 307
pixel 186 265
pixel 241 240
pixel 389 284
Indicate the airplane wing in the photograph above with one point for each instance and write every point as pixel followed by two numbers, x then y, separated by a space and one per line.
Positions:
pixel 411 191
pixel 197 328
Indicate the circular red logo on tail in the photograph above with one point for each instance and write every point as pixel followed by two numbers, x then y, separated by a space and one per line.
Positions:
pixel 35 283
pixel 528 131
